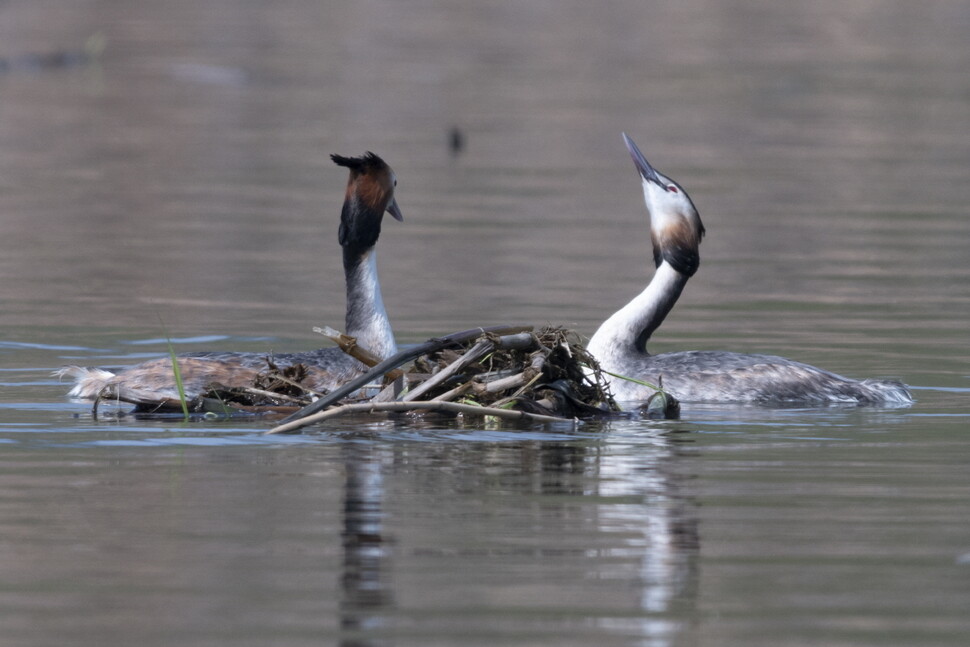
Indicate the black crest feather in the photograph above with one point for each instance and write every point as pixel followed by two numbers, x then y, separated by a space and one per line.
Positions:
pixel 366 162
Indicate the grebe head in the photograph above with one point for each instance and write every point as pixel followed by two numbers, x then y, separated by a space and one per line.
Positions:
pixel 675 226
pixel 370 193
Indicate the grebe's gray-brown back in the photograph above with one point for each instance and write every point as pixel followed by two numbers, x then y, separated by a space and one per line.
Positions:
pixel 370 193
pixel 620 343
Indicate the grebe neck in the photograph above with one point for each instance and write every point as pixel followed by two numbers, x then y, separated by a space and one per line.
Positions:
pixel 626 332
pixel 366 317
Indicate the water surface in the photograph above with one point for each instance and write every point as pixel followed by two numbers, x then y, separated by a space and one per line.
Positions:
pixel 177 184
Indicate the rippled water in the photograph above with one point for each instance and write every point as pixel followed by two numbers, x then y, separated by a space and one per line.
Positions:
pixel 176 183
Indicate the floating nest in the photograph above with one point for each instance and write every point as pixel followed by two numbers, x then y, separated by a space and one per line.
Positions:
pixel 515 373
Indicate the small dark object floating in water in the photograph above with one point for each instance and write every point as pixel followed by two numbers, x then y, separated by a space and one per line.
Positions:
pixel 456 141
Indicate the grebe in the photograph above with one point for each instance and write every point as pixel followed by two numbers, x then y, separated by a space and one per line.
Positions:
pixel 620 343
pixel 370 193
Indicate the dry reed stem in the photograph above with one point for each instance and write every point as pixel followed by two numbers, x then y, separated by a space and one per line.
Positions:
pixel 271 394
pixel 475 353
pixel 349 345
pixel 424 405
pixel 456 392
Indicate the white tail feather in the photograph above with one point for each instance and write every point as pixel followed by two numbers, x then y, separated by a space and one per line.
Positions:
pixel 89 382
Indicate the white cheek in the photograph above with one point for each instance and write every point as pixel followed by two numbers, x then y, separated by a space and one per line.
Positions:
pixel 662 205
pixel 663 220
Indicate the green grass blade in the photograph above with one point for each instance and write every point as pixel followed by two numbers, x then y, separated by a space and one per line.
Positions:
pixel 176 372
pixel 634 380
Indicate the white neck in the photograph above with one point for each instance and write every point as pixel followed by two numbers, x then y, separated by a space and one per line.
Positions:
pixel 366 317
pixel 624 335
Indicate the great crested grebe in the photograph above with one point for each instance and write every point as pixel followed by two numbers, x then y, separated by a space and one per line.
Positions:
pixel 370 193
pixel 620 343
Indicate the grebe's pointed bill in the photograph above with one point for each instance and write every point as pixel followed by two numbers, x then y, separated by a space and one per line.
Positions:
pixel 646 171
pixel 395 210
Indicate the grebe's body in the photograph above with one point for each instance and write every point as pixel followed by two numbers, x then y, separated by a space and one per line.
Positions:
pixel 370 193
pixel 620 343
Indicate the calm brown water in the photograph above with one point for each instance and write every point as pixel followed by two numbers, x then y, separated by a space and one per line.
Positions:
pixel 179 184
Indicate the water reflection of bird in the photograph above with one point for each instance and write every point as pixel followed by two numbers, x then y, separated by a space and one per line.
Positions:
pixel 620 343
pixel 370 193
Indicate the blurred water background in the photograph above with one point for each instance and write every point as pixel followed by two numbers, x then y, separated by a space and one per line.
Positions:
pixel 164 171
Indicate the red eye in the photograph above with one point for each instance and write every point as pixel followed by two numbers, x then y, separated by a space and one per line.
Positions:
pixel 672 189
